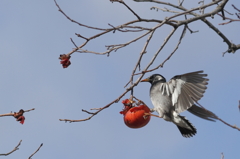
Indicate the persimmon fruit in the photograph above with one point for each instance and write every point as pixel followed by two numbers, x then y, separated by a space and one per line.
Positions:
pixel 134 117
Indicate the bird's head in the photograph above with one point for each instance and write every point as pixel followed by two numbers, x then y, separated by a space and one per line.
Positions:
pixel 154 78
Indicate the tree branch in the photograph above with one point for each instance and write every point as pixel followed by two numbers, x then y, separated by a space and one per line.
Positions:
pixel 15 149
pixel 222 156
pixel 232 126
pixel 60 10
pixel 11 114
pixel 232 48
pixel 140 57
pixel 150 32
pixel 35 151
pixel 179 42
pixel 121 1
pixel 98 110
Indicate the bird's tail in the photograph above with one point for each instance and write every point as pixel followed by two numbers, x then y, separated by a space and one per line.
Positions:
pixel 202 113
pixel 184 126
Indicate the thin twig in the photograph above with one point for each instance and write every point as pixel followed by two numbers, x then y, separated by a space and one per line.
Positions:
pixel 222 155
pixel 73 42
pixel 11 114
pixel 127 30
pixel 230 20
pixel 121 1
pixel 105 31
pixel 239 105
pixel 164 10
pixel 232 126
pixel 140 57
pixel 168 21
pixel 231 47
pixel 161 65
pixel 78 35
pixel 29 110
pixel 113 47
pixel 139 101
pixel 60 10
pixel 15 149
pixel 98 110
pixel 191 30
pixel 36 151
pixel 235 8
pixel 179 42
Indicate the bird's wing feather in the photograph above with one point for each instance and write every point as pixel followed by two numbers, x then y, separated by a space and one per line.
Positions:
pixel 185 89
pixel 202 113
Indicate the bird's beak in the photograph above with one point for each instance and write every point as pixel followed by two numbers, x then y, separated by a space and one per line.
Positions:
pixel 145 80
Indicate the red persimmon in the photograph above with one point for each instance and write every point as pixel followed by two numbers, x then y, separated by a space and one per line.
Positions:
pixel 134 117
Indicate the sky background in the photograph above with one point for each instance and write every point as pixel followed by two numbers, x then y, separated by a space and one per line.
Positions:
pixel 34 33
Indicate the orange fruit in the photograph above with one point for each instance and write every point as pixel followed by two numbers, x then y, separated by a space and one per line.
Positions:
pixel 134 117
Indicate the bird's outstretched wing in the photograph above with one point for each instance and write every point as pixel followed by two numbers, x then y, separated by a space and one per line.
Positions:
pixel 185 89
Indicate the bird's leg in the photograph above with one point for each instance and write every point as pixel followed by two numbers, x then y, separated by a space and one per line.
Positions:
pixel 149 114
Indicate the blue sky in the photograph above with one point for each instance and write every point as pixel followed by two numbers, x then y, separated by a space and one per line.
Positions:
pixel 34 34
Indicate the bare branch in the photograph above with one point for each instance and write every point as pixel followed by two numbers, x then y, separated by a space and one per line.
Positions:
pixel 15 149
pixel 11 114
pixel 139 101
pixel 112 29
pixel 230 19
pixel 222 156
pixel 119 28
pixel 232 126
pixel 121 1
pixel 126 30
pixel 236 8
pixel 60 10
pixel 73 42
pixel 239 105
pixel 150 31
pixel 113 47
pixel 137 27
pixel 78 35
pixel 180 3
pixel 161 65
pixel 140 57
pixel 36 151
pixel 164 10
pixel 29 110
pixel 179 42
pixel 98 110
pixel 231 47
pixel 199 17
pixel 173 5
pixel 191 30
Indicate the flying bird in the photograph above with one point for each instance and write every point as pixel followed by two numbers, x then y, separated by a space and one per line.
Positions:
pixel 177 95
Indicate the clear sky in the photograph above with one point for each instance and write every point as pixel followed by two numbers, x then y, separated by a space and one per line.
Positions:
pixel 34 33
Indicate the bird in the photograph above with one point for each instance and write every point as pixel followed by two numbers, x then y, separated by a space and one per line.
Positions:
pixel 179 94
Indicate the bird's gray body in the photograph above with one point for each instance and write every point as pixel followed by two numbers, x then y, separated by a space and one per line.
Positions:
pixel 177 95
pixel 162 103
pixel 163 106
